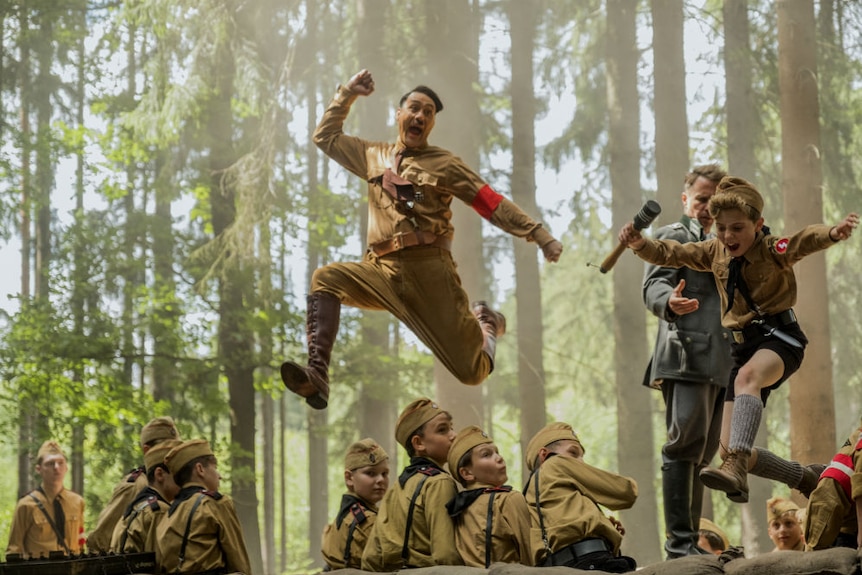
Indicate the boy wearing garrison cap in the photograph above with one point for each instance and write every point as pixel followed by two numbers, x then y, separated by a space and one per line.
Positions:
pixel 136 530
pixel 366 475
pixel 835 506
pixel 753 271
pixel 413 528
pixel 564 494
pixel 711 537
pixel 49 518
pixel 201 533
pixel 783 525
pixel 492 522
pixel 158 429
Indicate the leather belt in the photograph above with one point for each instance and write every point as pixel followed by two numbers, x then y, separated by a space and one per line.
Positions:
pixel 405 240
pixel 786 317
pixel 577 550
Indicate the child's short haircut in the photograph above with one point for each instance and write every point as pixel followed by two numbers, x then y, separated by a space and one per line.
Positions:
pixel 736 194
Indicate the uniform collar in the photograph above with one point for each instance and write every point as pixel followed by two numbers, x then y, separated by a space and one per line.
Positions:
pixel 693 226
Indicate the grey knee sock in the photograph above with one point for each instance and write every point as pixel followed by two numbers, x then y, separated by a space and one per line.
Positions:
pixel 747 411
pixel 770 466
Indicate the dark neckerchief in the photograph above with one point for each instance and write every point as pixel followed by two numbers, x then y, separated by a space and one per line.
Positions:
pixel 417 464
pixel 142 495
pixel 348 500
pixel 184 494
pixel 466 498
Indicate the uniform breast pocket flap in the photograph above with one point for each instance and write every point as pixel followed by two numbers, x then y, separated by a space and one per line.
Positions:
pixel 690 351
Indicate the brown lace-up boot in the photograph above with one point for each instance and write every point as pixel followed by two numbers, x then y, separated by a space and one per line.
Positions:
pixel 731 477
pixel 493 326
pixel 312 382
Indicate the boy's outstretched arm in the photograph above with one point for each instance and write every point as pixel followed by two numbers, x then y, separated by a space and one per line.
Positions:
pixel 631 237
pixel 844 229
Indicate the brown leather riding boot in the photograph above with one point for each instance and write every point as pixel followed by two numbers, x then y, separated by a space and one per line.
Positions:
pixel 312 382
pixel 731 477
pixel 493 325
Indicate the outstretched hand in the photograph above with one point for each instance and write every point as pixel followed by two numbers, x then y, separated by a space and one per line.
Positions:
pixel 552 251
pixel 631 237
pixel 361 83
pixel 844 229
pixel 678 303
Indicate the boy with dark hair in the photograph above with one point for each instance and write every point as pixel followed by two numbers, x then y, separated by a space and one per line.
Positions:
pixel 136 530
pixel 754 273
pixel 564 494
pixel 413 528
pixel 201 533
pixel 366 475
pixel 492 521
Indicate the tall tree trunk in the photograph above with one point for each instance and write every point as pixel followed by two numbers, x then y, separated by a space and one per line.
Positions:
pixel 453 67
pixel 802 181
pixel 671 120
pixel 44 46
pixel 235 337
pixel 523 19
pixel 634 443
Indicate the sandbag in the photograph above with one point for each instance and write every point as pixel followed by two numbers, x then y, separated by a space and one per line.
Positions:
pixel 838 561
pixel 518 569
pixel 693 565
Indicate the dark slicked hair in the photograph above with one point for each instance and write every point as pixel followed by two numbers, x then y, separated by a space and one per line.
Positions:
pixel 438 103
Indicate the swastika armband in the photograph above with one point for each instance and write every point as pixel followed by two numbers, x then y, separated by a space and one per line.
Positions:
pixel 486 201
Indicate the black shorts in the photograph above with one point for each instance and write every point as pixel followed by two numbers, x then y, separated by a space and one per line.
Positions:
pixel 791 356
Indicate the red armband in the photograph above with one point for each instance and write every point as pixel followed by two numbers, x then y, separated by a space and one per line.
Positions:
pixel 486 201
pixel 840 469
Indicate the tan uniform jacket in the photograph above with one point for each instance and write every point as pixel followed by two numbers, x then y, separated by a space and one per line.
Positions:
pixel 215 539
pixel 510 529
pixel 99 539
pixel 830 510
pixel 31 533
pixel 768 272
pixel 136 531
pixel 570 492
pixel 355 514
pixel 432 535
pixel 436 174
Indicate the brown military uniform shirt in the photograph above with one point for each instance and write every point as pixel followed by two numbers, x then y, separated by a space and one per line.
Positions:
pixel 356 515
pixel 432 535
pixel 99 539
pixel 215 539
pixel 31 533
pixel 510 529
pixel 768 272
pixel 570 492
pixel 436 174
pixel 135 532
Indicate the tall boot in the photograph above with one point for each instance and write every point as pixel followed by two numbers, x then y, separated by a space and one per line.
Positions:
pixel 312 382
pixel 677 482
pixel 493 325
pixel 731 477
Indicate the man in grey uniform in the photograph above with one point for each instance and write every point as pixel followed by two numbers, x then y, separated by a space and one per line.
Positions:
pixel 690 365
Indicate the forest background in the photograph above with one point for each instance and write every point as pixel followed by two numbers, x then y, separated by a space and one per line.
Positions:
pixel 165 207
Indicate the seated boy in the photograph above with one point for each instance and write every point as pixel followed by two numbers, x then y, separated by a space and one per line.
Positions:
pixel 413 528
pixel 835 506
pixel 711 537
pixel 784 527
pixel 564 494
pixel 135 532
pixel 492 522
pixel 201 533
pixel 366 475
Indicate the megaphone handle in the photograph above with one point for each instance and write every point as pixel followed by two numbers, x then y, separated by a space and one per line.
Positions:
pixel 612 258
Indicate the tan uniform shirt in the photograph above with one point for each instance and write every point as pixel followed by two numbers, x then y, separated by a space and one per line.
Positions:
pixel 356 515
pixel 215 539
pixel 432 535
pixel 136 532
pixel 768 272
pixel 436 174
pixel 31 533
pixel 510 529
pixel 124 492
pixel 570 492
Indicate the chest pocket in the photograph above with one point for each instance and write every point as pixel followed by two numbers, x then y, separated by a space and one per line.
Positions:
pixel 419 177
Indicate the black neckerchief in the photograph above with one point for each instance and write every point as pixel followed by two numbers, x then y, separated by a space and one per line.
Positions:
pixel 417 464
pixel 143 494
pixel 185 494
pixel 466 498
pixel 347 502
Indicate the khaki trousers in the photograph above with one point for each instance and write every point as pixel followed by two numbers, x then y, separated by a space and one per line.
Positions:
pixel 419 286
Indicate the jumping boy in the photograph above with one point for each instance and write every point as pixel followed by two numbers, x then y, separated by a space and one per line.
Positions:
pixel 754 273
pixel 492 521
pixel 564 494
pixel 413 528
pixel 366 475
